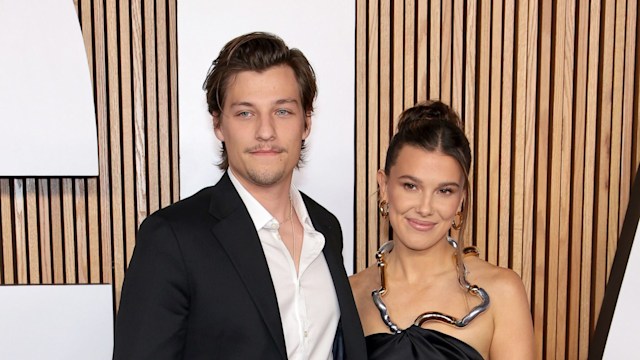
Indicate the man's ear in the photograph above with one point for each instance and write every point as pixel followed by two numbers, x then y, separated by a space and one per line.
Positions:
pixel 307 125
pixel 216 126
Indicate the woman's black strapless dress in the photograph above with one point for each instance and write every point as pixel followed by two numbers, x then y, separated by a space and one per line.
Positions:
pixel 418 343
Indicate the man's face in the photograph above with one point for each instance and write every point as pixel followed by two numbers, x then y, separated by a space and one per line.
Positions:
pixel 262 125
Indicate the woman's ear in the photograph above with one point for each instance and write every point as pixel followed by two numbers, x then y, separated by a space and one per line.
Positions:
pixel 382 185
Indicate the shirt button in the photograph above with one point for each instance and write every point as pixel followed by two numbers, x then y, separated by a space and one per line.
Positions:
pixel 306 333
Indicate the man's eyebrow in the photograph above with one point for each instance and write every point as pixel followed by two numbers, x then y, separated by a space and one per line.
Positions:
pixel 286 101
pixel 241 103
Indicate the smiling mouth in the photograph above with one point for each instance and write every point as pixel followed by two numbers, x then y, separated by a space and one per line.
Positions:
pixel 421 225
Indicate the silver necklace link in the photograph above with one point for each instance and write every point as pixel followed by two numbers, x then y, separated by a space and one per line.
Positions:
pixel 431 315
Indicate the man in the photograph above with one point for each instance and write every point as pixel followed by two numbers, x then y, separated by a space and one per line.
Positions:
pixel 249 268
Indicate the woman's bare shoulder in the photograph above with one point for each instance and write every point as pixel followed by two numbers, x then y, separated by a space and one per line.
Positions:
pixel 501 281
pixel 365 280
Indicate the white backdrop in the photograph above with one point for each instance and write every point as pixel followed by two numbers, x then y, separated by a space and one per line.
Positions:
pixel 47 117
pixel 623 334
pixel 325 32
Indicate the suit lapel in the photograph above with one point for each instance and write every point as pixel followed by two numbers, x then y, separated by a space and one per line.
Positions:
pixel 353 337
pixel 237 235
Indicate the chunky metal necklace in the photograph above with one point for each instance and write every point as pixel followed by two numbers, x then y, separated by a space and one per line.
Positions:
pixel 432 315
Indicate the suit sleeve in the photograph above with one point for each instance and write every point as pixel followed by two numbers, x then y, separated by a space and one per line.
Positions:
pixel 151 319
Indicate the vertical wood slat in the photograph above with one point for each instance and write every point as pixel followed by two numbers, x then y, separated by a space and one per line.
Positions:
pixel 385 126
pixel 44 232
pixel 628 168
pixel 32 230
pixel 6 230
pixel 56 231
pixel 361 139
pixel 446 44
pixel 373 45
pixel 506 246
pixel 173 99
pixel 469 112
pixel 554 119
pixel 604 160
pixel 481 126
pixel 577 184
pixel 20 245
pixel 164 135
pixel 151 113
pixel 494 242
pixel 434 57
pixel 128 136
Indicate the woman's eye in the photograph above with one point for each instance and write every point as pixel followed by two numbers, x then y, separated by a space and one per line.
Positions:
pixel 409 186
pixel 446 191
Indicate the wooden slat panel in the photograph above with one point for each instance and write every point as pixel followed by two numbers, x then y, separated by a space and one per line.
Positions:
pixel 44 231
pixel 173 89
pixel 138 111
pixel 32 230
pixel 385 127
pixel 481 149
pixel 577 184
pixel 56 231
pixel 616 132
pixel 164 125
pixel 361 176
pixel 151 105
pixel 627 166
pixel 128 157
pixel 505 255
pixel 446 41
pixel 588 228
pixel 552 112
pixel 421 50
pixel 494 124
pixel 457 87
pixel 469 114
pixel 409 52
pixel 20 245
pixel 373 116
pixel 68 222
pixel 6 217
pixel 434 60
pixel 603 160
pixel 94 233
pixel 397 93
pixel 82 247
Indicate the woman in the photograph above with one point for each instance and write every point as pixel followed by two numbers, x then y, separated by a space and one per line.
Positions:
pixel 418 301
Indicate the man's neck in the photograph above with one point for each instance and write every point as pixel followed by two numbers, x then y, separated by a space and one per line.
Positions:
pixel 274 198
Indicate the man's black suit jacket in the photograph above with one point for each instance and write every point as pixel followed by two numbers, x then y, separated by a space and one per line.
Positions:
pixel 198 285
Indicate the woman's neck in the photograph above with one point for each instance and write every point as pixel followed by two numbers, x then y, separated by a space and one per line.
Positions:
pixel 413 266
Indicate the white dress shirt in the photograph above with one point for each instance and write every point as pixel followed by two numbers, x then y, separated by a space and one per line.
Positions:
pixel 307 300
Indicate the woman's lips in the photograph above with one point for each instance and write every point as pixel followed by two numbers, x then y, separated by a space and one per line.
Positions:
pixel 421 225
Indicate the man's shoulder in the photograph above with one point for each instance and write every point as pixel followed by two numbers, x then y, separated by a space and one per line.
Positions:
pixel 314 208
pixel 188 207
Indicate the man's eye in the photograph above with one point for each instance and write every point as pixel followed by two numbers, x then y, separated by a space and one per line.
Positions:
pixel 283 112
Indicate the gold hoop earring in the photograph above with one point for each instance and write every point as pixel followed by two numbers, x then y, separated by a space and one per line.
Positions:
pixel 457 226
pixel 383 207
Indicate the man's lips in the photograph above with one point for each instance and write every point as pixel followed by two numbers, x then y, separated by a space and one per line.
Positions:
pixel 421 225
pixel 265 151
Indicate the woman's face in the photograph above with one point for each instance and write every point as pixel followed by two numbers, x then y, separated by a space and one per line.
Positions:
pixel 424 190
